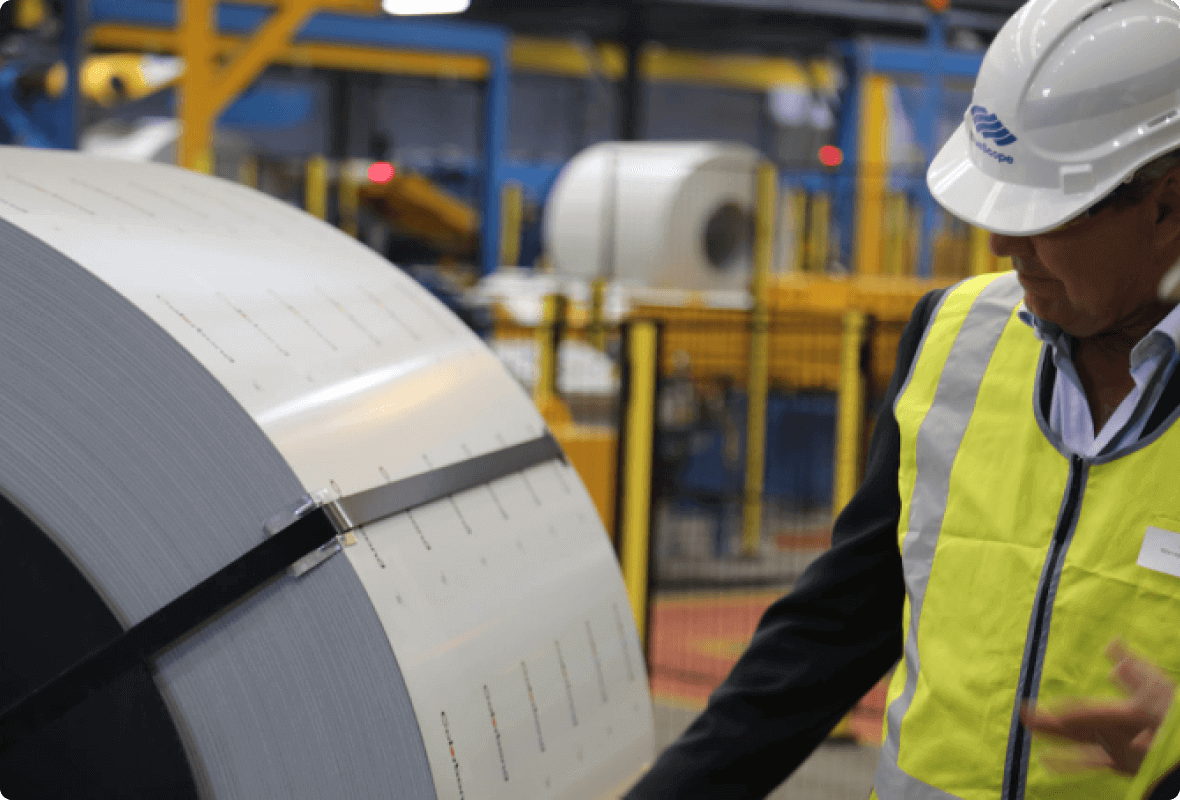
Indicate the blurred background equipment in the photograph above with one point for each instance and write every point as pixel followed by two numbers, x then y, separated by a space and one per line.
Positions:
pixel 657 214
pixel 585 186
pixel 418 212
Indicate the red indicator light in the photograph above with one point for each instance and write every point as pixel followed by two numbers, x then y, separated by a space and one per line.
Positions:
pixel 830 156
pixel 381 172
pixel 938 6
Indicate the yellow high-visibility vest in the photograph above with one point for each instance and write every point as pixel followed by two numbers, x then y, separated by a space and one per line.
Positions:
pixel 1019 560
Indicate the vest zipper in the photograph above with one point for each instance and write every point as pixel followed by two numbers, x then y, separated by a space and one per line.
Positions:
pixel 1017 766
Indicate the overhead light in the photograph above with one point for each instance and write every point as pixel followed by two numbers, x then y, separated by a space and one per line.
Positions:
pixel 414 7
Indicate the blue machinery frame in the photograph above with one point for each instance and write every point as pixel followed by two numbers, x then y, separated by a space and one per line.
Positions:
pixel 55 122
pixel 932 62
pixel 48 122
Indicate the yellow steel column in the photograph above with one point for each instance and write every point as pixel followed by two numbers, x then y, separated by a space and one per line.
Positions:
pixel 350 199
pixel 269 40
pixel 757 386
pixel 637 461
pixel 511 219
pixel 196 112
pixel 798 201
pixel 819 233
pixel 315 187
pixel 549 332
pixel 850 413
pixel 596 328
pixel 871 176
pixel 205 88
pixel 897 235
pixel 547 349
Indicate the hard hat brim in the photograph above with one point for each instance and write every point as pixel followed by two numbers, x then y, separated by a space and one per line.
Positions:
pixel 1011 209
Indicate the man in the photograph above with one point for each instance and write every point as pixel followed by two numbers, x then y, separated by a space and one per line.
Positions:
pixel 1019 503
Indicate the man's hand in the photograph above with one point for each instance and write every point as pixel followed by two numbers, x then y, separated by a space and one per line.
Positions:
pixel 1111 734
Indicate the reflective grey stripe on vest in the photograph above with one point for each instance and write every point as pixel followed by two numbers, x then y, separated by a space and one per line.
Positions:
pixel 891 783
pixel 939 436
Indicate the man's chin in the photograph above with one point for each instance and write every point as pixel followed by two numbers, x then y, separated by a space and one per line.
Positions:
pixel 1052 308
pixel 1041 304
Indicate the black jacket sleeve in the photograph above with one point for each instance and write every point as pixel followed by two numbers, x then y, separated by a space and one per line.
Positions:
pixel 816 651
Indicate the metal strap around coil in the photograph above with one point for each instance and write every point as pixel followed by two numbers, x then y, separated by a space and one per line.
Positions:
pixel 303 531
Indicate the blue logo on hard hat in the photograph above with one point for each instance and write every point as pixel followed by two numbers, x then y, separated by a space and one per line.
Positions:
pixel 990 127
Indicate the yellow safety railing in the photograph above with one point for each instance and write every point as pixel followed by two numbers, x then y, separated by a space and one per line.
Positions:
pixel 548 338
pixel 511 220
pixel 595 323
pixel 349 199
pixel 850 412
pixel 636 464
pixel 871 176
pixel 819 233
pixel 796 202
pixel 898 242
pixel 315 190
pixel 758 383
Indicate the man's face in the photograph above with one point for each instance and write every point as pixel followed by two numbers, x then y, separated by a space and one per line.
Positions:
pixel 1098 274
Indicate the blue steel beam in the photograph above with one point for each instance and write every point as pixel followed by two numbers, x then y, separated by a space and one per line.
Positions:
pixel 51 121
pixel 67 109
pixel 889 13
pixel 494 141
pixel 933 62
pixel 381 31
pixel 21 127
pixel 45 121
pixel 537 178
pixel 915 60
pixel 488 41
pixel 809 180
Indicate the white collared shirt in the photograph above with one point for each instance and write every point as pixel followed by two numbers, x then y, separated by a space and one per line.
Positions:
pixel 1152 362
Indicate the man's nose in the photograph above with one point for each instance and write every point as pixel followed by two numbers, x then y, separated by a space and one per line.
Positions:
pixel 1006 246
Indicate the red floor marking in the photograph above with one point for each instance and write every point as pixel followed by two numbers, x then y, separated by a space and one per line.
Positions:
pixel 815 539
pixel 697 640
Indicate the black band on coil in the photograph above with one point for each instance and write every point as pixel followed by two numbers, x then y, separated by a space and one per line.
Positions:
pixel 233 583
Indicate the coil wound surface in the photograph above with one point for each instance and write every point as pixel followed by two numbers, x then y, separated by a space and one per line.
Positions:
pixel 122 739
pixel 182 358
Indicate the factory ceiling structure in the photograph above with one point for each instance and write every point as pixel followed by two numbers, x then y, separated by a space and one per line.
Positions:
pixel 800 28
pixel 751 25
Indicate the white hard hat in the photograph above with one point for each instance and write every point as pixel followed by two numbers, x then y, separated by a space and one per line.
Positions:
pixel 1072 97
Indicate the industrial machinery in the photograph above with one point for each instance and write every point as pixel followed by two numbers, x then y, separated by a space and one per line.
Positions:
pixel 671 227
pixel 421 215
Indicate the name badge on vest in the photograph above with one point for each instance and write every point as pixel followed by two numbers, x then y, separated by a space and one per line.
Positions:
pixel 1160 551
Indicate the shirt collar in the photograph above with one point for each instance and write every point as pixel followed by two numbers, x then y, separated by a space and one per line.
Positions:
pixel 1048 332
pixel 1164 338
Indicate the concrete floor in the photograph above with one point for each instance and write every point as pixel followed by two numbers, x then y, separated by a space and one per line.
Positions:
pixel 836 771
